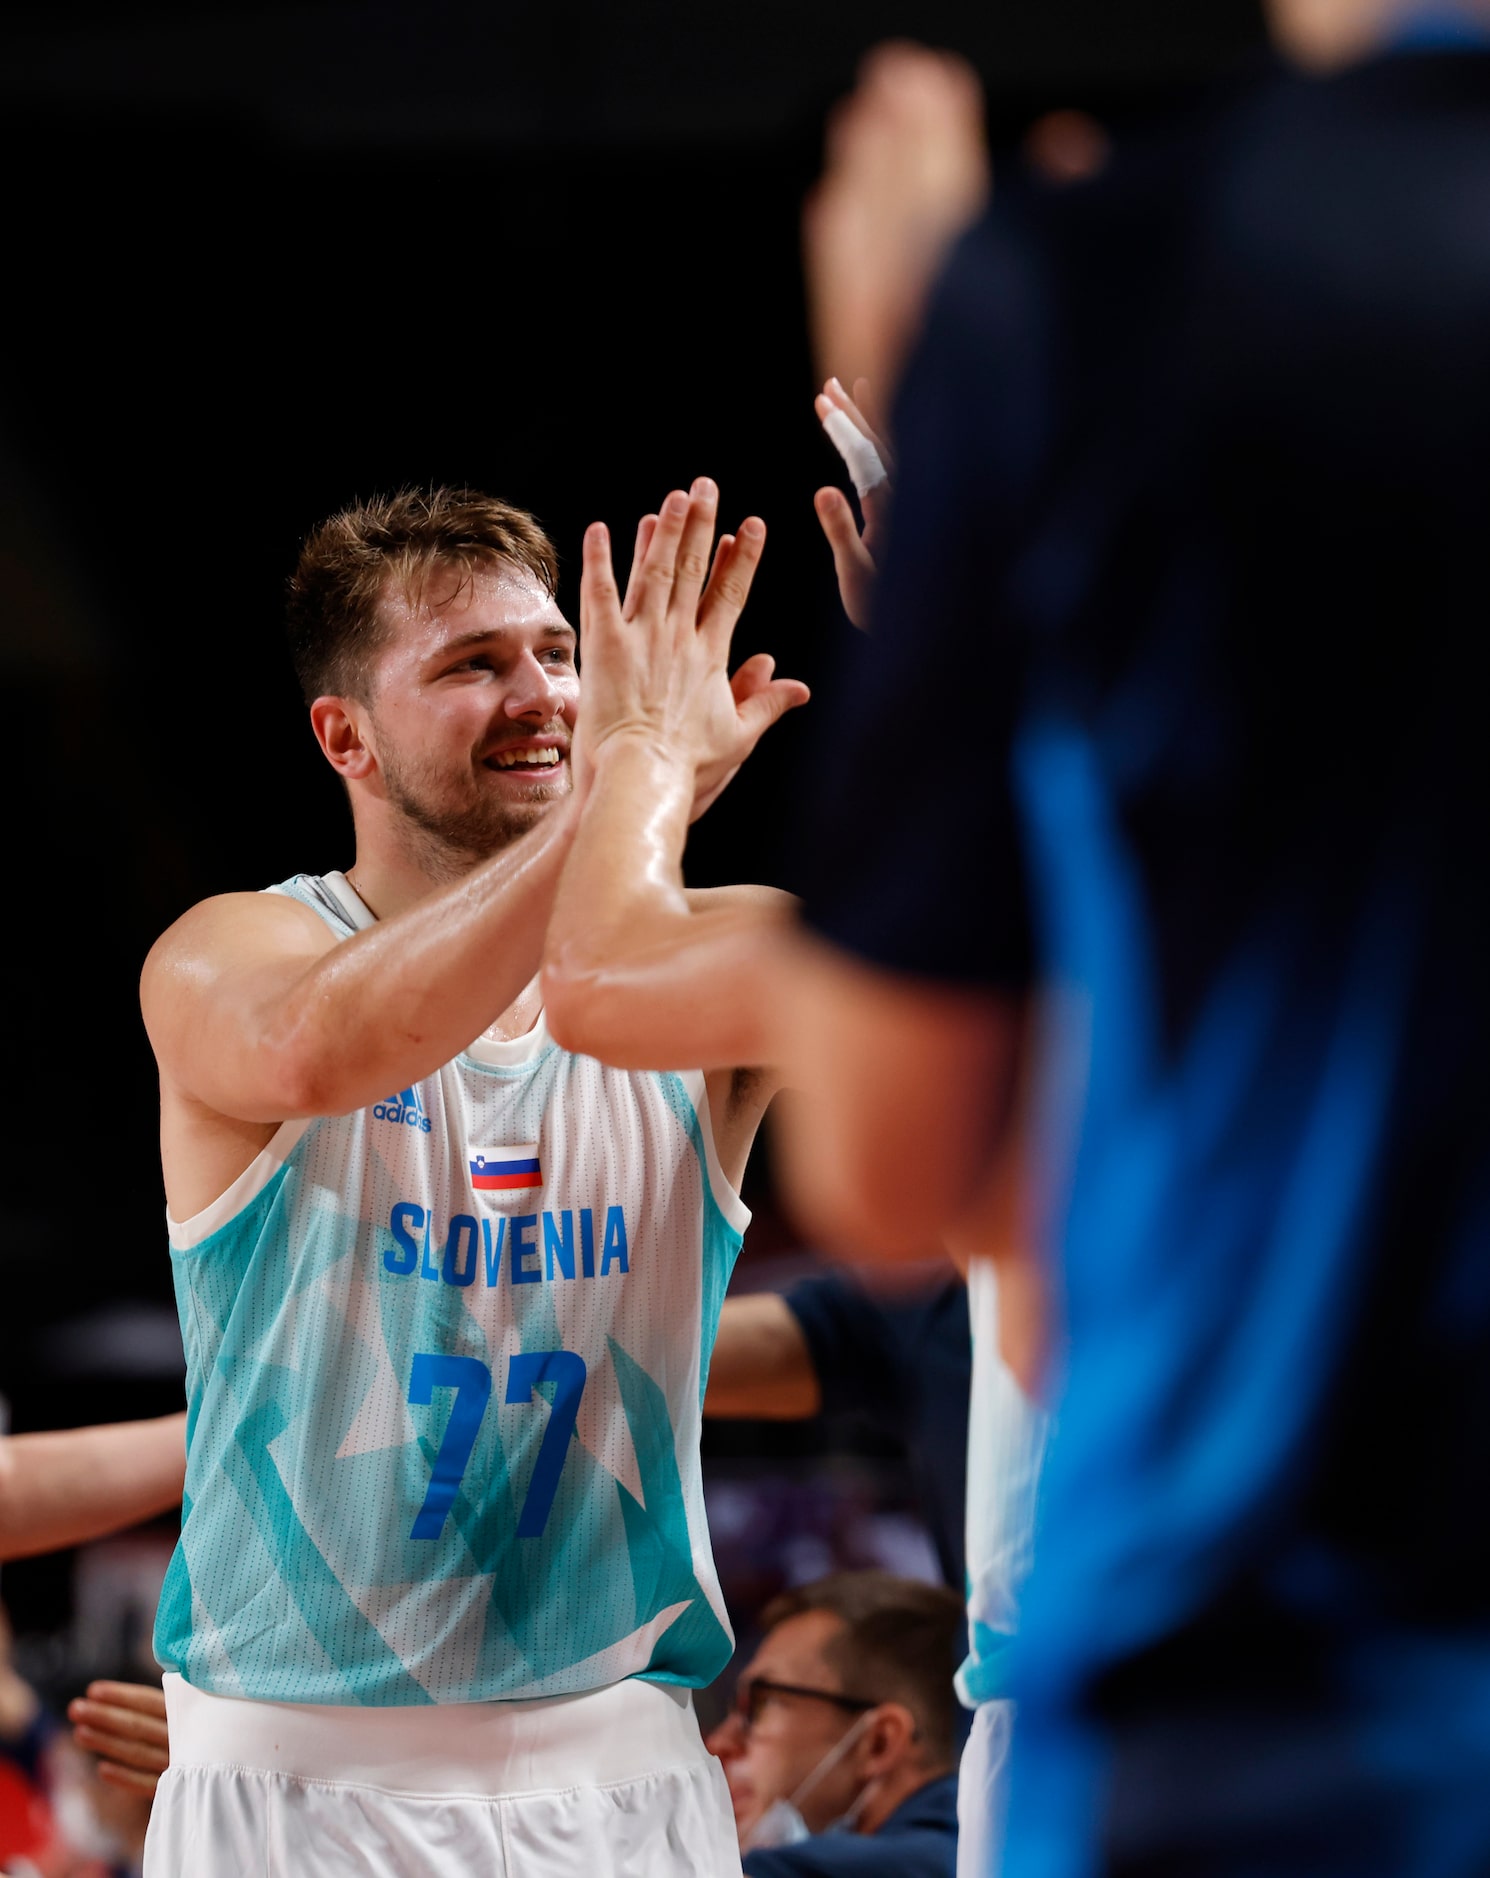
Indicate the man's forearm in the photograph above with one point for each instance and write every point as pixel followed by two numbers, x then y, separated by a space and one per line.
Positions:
pixel 635 971
pixel 761 1366
pixel 69 1485
pixel 260 1028
pixel 404 997
pixel 622 884
pixel 895 1072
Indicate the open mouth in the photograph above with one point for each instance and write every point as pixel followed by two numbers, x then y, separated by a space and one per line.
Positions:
pixel 533 761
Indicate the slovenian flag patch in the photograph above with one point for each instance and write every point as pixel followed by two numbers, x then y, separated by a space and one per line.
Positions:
pixel 506 1170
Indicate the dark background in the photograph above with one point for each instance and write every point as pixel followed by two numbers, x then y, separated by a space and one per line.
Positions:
pixel 264 258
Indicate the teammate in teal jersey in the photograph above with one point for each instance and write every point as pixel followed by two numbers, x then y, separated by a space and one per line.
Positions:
pixel 447 1290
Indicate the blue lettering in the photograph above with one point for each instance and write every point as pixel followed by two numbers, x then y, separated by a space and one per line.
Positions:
pixel 456 1270
pixel 474 1244
pixel 493 1253
pixel 401 1263
pixel 587 1242
pixel 558 1244
pixel 427 1266
pixel 614 1252
pixel 523 1249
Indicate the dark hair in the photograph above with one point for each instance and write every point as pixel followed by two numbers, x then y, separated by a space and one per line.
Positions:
pixel 899 1643
pixel 355 558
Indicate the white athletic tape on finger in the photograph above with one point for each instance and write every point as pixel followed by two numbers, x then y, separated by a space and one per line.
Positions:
pixel 863 460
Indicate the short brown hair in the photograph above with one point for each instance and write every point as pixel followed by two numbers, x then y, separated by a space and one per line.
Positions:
pixel 900 1643
pixel 350 562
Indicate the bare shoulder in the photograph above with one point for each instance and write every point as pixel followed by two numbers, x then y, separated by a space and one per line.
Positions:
pixel 230 925
pixel 220 938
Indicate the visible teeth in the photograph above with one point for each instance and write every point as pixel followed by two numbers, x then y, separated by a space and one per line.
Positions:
pixel 507 758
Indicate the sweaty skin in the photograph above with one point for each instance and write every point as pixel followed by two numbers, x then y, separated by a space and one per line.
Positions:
pixel 639 970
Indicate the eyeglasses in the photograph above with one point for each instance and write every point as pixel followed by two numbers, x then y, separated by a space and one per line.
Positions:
pixel 751 1697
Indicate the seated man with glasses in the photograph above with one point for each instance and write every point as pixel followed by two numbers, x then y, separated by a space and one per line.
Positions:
pixel 841 1750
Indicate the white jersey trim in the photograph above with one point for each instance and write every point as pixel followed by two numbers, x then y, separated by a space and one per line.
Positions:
pixel 187 1233
pixel 622 1731
pixel 501 1052
pixel 349 900
pixel 734 1209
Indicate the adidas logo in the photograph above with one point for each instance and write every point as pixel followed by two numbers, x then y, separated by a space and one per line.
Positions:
pixel 404 1108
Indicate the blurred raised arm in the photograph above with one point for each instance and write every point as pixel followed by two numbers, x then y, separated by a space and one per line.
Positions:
pixel 65 1486
pixel 906 170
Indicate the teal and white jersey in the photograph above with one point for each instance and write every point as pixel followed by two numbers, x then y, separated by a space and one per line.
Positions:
pixel 446 1360
pixel 1007 1433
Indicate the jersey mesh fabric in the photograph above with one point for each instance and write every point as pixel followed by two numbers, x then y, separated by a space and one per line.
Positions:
pixel 375 1347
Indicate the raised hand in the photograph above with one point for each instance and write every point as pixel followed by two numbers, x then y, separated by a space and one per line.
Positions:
pixel 125 1724
pixel 906 170
pixel 853 551
pixel 656 662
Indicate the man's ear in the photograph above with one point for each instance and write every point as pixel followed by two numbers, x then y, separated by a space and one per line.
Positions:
pixel 340 725
pixel 887 1739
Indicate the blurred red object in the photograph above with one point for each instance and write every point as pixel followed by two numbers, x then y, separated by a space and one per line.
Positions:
pixel 26 1826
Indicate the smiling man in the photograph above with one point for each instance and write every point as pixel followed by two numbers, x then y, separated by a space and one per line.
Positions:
pixel 446 1289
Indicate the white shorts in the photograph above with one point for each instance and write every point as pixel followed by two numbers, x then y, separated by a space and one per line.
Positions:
pixel 983 1790
pixel 585 1786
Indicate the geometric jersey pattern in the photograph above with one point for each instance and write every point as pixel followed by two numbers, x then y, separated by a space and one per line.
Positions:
pixel 443 1437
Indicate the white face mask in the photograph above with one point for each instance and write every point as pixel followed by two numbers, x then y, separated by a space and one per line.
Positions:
pixel 782 1822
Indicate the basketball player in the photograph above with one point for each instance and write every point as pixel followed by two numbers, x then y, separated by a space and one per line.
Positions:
pixel 447 1290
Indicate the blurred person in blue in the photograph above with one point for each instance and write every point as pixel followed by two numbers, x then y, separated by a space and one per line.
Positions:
pixel 841 1749
pixel 1193 462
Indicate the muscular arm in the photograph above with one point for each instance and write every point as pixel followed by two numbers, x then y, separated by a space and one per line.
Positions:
pixel 639 971
pixel 761 1366
pixel 63 1487
pixel 645 974
pixel 256 1012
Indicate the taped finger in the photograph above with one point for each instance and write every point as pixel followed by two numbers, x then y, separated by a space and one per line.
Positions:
pixel 865 466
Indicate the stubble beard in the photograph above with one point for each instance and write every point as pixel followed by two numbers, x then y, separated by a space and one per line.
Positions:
pixel 445 839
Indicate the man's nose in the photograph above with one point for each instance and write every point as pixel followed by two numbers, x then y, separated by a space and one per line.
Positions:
pixel 534 691
pixel 727 1739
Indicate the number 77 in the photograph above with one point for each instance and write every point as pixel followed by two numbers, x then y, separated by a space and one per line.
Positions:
pixel 471 1380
